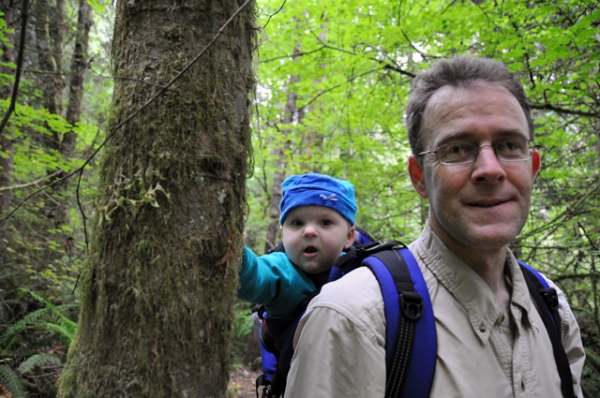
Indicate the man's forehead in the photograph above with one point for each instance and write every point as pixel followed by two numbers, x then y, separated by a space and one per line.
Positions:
pixel 450 93
pixel 451 103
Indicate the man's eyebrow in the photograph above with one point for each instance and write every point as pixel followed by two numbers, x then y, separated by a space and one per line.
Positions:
pixel 469 136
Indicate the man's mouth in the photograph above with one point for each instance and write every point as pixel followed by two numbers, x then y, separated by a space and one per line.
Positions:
pixel 487 204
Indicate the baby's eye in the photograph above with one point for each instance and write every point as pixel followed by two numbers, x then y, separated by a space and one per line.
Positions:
pixel 326 222
pixel 296 223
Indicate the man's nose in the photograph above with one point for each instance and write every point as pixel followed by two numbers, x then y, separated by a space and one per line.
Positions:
pixel 487 165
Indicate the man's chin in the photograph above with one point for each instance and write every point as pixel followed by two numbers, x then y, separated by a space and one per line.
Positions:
pixel 493 236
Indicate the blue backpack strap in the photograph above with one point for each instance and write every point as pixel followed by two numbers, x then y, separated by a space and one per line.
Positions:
pixel 411 344
pixel 361 237
pixel 548 293
pixel 546 300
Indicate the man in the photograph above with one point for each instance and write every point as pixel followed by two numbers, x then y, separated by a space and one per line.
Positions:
pixel 470 132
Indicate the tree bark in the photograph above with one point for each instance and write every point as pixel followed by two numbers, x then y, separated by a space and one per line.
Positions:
pixel 79 65
pixel 6 90
pixel 290 114
pixel 279 176
pixel 49 23
pixel 159 287
pixel 50 57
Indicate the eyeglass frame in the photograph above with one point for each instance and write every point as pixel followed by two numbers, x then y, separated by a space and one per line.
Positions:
pixel 530 143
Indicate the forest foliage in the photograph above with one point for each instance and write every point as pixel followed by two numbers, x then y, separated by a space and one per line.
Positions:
pixel 332 82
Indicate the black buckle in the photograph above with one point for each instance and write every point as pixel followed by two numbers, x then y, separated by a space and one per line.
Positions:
pixel 370 247
pixel 375 247
pixel 550 297
pixel 412 305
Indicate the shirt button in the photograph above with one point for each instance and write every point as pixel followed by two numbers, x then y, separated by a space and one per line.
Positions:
pixel 482 327
pixel 500 318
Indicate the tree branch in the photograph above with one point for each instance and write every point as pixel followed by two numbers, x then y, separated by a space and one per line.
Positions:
pixel 36 182
pixel 13 99
pixel 549 107
pixel 559 278
pixel 351 79
pixel 275 13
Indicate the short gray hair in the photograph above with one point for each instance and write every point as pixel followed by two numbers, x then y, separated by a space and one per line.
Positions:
pixel 459 71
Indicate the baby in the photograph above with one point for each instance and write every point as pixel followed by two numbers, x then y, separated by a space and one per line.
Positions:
pixel 317 225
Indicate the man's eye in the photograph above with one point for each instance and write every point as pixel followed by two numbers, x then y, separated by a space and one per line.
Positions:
pixel 508 146
pixel 455 152
pixel 458 149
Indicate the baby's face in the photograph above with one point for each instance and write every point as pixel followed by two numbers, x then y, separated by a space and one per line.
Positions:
pixel 315 236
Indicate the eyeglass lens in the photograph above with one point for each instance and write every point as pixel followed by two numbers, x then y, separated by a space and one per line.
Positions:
pixel 508 150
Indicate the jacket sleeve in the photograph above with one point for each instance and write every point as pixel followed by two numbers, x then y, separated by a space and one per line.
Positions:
pixel 272 280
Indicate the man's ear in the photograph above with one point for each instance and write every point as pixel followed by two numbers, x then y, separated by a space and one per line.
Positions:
pixel 536 163
pixel 350 237
pixel 415 170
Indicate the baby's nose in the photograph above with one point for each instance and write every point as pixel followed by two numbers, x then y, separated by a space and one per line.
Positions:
pixel 310 230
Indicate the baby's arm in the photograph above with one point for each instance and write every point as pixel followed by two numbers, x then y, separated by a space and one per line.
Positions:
pixel 272 280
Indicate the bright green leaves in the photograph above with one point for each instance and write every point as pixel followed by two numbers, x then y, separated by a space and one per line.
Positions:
pixel 334 80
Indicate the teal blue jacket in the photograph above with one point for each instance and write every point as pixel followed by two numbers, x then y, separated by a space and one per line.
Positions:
pixel 273 281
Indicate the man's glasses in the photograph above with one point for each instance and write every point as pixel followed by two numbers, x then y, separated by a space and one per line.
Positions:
pixel 512 150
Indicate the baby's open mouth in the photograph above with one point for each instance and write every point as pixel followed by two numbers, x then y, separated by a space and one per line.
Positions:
pixel 310 249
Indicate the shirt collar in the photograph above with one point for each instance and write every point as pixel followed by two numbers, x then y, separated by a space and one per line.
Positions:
pixel 468 288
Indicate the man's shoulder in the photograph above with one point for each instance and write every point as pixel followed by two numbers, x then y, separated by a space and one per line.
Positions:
pixel 355 291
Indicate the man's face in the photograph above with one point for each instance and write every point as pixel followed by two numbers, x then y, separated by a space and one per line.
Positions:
pixel 482 205
pixel 315 236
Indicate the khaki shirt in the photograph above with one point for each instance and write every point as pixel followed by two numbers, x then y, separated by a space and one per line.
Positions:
pixel 339 344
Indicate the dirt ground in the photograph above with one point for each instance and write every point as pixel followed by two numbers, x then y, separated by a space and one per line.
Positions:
pixel 241 382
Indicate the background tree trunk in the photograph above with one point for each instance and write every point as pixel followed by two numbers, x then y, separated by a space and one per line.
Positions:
pixel 79 65
pixel 279 176
pixel 48 41
pixel 159 289
pixel 6 140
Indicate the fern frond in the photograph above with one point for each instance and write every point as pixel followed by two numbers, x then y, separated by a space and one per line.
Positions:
pixel 590 382
pixel 68 324
pixel 36 296
pixel 8 337
pixel 11 380
pixel 39 360
pixel 33 344
pixel 64 333
pixel 33 319
pixel 592 359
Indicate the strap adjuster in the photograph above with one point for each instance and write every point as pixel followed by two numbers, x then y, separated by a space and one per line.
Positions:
pixel 375 247
pixel 550 297
pixel 412 305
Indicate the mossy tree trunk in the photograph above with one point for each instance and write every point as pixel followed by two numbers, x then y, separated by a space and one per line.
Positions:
pixel 159 288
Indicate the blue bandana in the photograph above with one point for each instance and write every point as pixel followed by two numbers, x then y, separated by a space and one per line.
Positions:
pixel 318 190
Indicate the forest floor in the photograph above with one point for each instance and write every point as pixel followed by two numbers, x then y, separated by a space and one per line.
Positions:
pixel 241 382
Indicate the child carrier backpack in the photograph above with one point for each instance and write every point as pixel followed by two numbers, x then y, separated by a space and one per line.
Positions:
pixel 410 323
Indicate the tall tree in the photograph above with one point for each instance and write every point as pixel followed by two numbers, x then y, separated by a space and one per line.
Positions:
pixel 6 87
pixel 159 287
pixel 79 66
pixel 281 149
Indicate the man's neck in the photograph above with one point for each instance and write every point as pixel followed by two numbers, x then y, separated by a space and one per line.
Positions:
pixel 491 269
pixel 489 265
